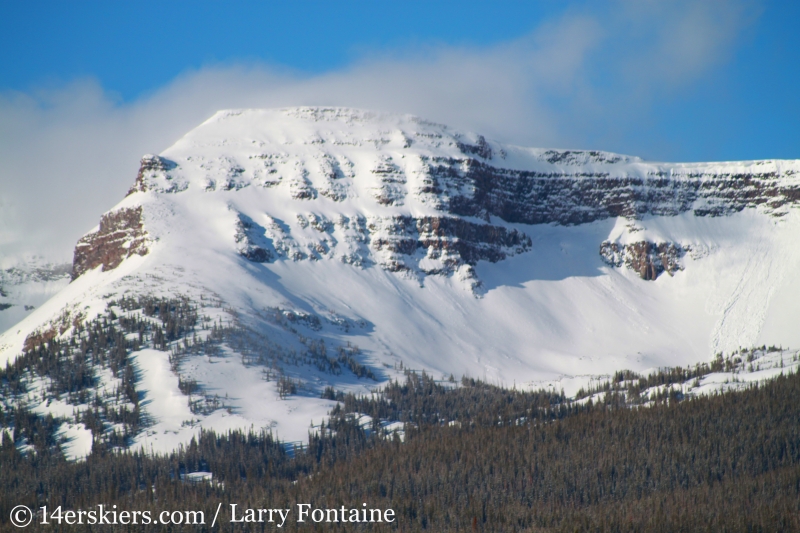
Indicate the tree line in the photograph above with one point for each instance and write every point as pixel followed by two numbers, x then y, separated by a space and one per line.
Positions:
pixel 728 462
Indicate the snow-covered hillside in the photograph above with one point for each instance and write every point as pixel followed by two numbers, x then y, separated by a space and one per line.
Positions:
pixel 388 242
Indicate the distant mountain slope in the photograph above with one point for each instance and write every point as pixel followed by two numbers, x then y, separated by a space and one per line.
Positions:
pixel 28 285
pixel 329 247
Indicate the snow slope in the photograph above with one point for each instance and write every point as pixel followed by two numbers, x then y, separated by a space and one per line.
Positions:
pixel 421 246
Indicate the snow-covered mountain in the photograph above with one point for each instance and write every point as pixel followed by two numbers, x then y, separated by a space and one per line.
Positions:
pixel 330 247
pixel 28 284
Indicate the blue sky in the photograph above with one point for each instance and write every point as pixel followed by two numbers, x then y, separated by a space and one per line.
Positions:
pixel 739 104
pixel 136 47
pixel 87 87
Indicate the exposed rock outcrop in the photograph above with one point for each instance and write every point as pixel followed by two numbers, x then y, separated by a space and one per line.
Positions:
pixel 392 181
pixel 121 234
pixel 440 245
pixel 427 244
pixel 47 332
pixel 481 148
pixel 250 240
pixel 471 242
pixel 648 259
pixel 149 165
pixel 576 198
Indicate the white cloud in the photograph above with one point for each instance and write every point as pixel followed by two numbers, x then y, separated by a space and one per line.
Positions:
pixel 69 154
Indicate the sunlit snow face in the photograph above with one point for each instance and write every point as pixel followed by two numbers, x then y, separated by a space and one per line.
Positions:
pixel 370 240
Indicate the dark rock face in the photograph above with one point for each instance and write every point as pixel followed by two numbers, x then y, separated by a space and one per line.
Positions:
pixel 472 242
pixel 648 259
pixel 481 148
pixel 149 164
pixel 392 180
pixel 582 157
pixel 250 241
pixel 452 240
pixel 121 235
pixel 577 198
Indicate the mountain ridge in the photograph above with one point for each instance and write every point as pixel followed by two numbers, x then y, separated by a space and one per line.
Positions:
pixel 363 243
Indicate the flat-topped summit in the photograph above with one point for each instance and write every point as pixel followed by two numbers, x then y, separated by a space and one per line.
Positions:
pixel 415 196
pixel 270 254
